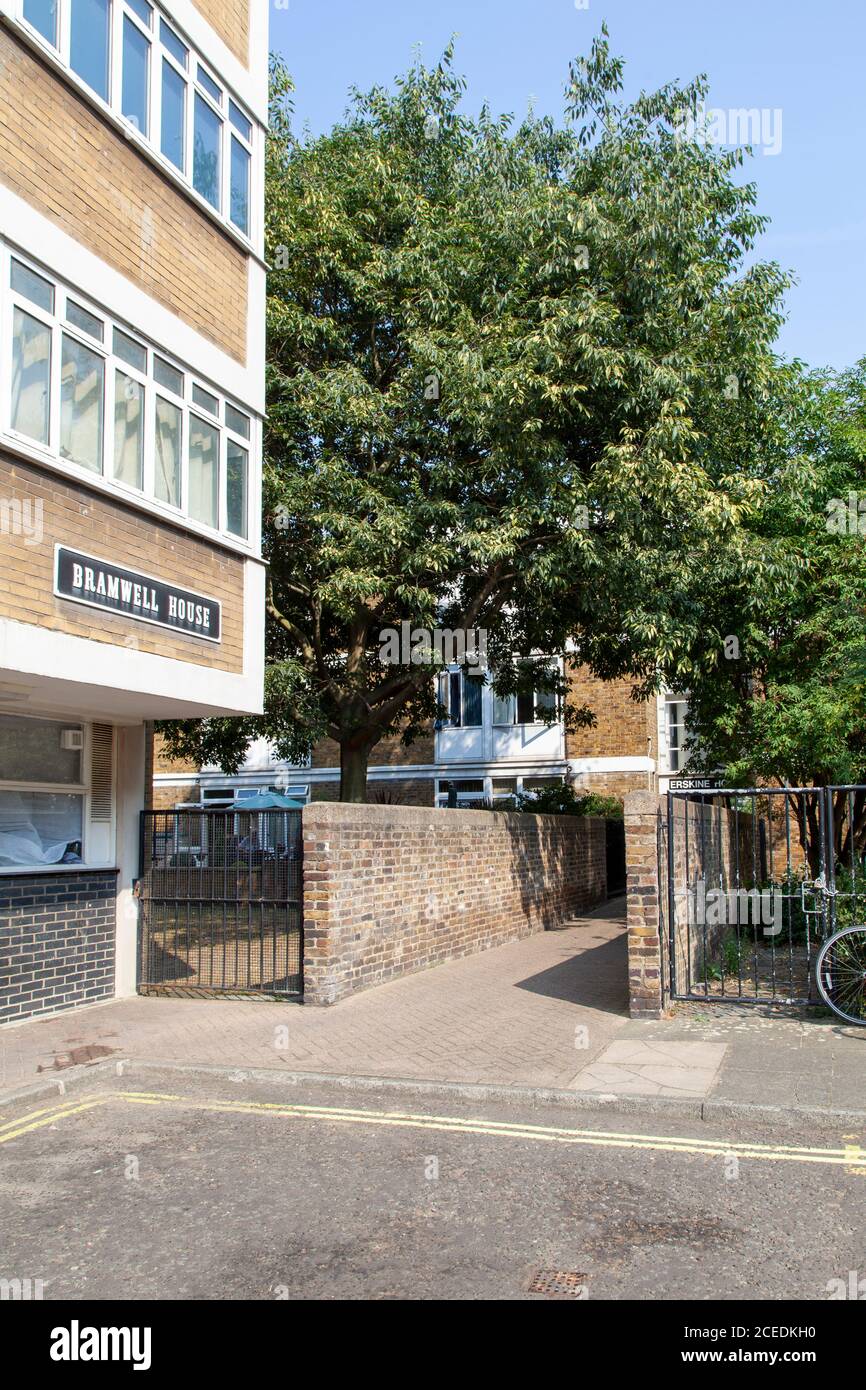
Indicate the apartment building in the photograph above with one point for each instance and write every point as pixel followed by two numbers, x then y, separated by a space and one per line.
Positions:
pixel 132 296
pixel 486 750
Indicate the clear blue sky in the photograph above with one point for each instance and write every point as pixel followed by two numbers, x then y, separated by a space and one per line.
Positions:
pixel 807 57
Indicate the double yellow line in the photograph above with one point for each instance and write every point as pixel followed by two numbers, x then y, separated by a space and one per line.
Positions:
pixel 851 1156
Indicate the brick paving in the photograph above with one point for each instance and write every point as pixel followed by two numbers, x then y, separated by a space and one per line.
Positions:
pixel 533 1012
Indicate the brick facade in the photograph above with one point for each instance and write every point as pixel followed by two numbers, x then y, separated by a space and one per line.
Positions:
pixel 646 976
pixel 57 941
pixel 389 890
pixel 58 154
pixel 108 529
pixel 231 20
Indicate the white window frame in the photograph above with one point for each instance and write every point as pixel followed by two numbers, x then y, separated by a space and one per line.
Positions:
pixel 151 141
pixel 82 789
pixel 58 326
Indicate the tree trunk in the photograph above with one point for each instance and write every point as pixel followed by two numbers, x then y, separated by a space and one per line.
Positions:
pixel 353 772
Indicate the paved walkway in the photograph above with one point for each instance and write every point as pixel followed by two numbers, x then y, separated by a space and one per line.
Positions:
pixel 532 1012
pixel 548 1012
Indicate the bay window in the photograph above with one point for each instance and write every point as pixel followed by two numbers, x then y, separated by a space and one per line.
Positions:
pixel 101 398
pixel 137 63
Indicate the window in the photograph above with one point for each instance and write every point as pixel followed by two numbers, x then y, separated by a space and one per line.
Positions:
pixel 173 140
pixel 236 489
pixel 128 430
pixel 462 697
pixel 82 318
pixel 136 69
pixel 203 471
pixel 31 376
pixel 169 446
pixel 527 707
pixel 676 712
pixel 127 53
pixel 42 14
pixel 82 400
pixel 239 210
pixel 89 43
pixel 42 792
pixel 93 393
pixel 206 151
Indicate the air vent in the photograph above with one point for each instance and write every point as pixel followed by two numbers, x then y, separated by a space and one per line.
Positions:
pixel 101 771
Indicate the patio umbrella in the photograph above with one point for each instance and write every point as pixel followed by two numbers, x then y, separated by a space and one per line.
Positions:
pixel 268 801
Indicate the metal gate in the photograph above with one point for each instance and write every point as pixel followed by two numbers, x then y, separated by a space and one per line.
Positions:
pixel 220 902
pixel 757 879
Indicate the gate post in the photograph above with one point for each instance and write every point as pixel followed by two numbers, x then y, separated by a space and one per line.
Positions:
pixel 645 976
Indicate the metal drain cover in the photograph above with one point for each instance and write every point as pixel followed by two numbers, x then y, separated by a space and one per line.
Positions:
pixel 559 1283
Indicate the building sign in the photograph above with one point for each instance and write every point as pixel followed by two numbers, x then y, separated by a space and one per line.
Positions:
pixel 102 585
pixel 694 784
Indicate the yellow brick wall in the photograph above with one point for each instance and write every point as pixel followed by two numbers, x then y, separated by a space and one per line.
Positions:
pixel 622 726
pixel 231 20
pixel 60 156
pixel 125 536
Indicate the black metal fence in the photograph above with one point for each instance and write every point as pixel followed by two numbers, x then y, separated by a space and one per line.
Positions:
pixel 221 902
pixel 757 879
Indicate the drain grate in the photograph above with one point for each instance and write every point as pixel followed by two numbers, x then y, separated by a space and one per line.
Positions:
pixel 559 1283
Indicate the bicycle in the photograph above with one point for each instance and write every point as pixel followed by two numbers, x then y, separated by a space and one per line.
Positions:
pixel 840 973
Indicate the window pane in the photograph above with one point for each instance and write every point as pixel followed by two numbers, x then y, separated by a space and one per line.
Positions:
pixel 236 489
pixel 177 49
pixel 83 319
pixel 129 350
pixel 203 471
pixel 167 375
pixel 503 709
pixel 32 286
pixel 206 152
pixel 208 83
pixel 31 376
pixel 526 708
pixel 42 14
pixel 40 828
pixel 89 43
pixel 128 430
pixel 31 750
pixel 472 688
pixel 172 141
pixel 237 421
pixel 205 400
pixel 136 62
pixel 240 186
pixel 142 9
pixel 239 121
pixel 168 446
pixel 82 391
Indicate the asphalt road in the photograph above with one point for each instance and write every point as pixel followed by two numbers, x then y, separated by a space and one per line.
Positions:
pixel 176 1186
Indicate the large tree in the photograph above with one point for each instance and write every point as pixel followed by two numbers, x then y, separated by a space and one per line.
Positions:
pixel 778 681
pixel 518 379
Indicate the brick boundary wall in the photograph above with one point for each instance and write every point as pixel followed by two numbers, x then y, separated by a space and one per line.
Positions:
pixel 57 941
pixel 390 890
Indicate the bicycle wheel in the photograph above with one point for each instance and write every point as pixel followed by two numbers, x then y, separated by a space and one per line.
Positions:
pixel 840 972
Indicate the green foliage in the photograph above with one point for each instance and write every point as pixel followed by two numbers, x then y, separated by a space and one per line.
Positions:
pixel 562 800
pixel 496 360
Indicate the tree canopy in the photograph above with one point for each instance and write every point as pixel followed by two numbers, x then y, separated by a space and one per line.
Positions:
pixel 520 378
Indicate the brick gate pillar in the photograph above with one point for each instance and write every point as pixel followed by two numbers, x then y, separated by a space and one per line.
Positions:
pixel 645 973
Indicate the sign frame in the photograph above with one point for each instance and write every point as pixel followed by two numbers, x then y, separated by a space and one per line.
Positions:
pixel 136 576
